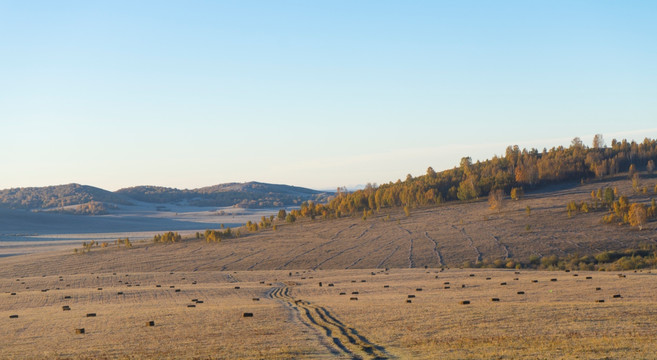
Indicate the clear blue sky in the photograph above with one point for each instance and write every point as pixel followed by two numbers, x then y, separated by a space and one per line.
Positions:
pixel 311 93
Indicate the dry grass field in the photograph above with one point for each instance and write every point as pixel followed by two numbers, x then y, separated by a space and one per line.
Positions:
pixel 379 262
pixel 295 317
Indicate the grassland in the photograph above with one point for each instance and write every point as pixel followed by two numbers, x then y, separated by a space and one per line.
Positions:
pixel 295 317
pixel 379 261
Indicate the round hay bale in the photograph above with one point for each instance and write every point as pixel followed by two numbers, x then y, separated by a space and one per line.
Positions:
pixel 418 289
pixel 237 287
pixel 158 285
pixel 534 281
pixel 472 275
pixel 409 301
pixel 13 294
pixel 67 297
pixel 320 284
pixel 520 293
pixel 330 285
pixel 199 301
pixel 411 296
pixel 446 287
pixel 465 302
pixel 343 293
pixel 91 315
pixel 589 277
pixel 13 316
pixel 495 299
pixel 386 286
pixel 66 308
pixel 353 298
pixel 446 283
pixel 354 293
pixel 256 299
pixel 553 279
pixel 616 296
pixel 191 306
pixel 598 289
pixel 600 301
pixel 119 293
pixel 100 288
pixel 177 290
pixel 487 278
pixel 502 283
pixel 150 323
pixel 79 331
pixel 247 314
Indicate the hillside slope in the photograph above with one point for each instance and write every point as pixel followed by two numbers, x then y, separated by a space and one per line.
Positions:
pixel 448 235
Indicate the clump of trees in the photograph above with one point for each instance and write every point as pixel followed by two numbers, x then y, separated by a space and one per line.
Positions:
pixel 218 235
pixel 167 237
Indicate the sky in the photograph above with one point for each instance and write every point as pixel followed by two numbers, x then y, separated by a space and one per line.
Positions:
pixel 317 94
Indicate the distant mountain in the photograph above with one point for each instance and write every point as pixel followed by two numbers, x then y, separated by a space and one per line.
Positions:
pixel 251 195
pixel 50 197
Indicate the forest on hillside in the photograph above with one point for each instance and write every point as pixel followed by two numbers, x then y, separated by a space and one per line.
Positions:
pixel 516 171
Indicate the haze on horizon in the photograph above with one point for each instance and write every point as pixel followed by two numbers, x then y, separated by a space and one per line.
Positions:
pixel 314 94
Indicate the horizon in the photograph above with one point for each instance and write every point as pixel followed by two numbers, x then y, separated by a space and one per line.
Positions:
pixel 319 95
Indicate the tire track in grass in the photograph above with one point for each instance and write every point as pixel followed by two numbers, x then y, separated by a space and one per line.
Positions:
pixel 472 245
pixel 225 267
pixel 411 262
pixel 505 249
pixel 340 339
pixel 439 256
pixel 342 252
pixel 334 238
pixel 388 257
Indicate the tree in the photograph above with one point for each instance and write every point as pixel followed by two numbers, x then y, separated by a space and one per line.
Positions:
pixel 282 214
pixel 598 141
pixel 516 193
pixel 638 215
pixel 576 142
pixel 650 166
pixel 496 199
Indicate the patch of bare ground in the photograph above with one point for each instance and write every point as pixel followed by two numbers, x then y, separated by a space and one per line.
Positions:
pixel 399 313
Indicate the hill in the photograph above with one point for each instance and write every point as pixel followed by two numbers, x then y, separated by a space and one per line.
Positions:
pixel 93 200
pixel 247 195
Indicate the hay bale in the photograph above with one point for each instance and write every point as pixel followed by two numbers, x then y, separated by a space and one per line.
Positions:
pixel 91 315
pixel 472 275
pixel 45 290
pixel 177 290
pixel 13 294
pixel 320 284
pixel 353 298
pixel 66 308
pixel 191 306
pixel 343 293
pixel 171 286
pixel 553 279
pixel 158 285
pixel 465 302
pixel 79 331
pixel 119 293
pixel 515 279
pixel 446 287
pixel 247 314
pixel 487 278
pixel 386 286
pixel 418 289
pixel 520 293
pixel 237 287
pixel 495 299
pixel 363 281
pixel 567 270
pixel 354 293
pixel 575 274
pixel 411 296
pixel 150 323
pixel 67 296
pixel 589 277
pixel 446 283
pixel 598 289
pixel 517 272
pixel 502 283
pixel 199 301
pixel 256 299
pixel 100 288
pixel 616 296
pixel 409 301
pixel 462 286
pixel 534 281
pixel 600 301
pixel 330 285
pixel 13 316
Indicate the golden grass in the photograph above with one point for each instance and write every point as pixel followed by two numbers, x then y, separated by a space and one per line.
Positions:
pixel 551 320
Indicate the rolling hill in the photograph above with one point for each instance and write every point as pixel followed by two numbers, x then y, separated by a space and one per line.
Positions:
pixel 250 194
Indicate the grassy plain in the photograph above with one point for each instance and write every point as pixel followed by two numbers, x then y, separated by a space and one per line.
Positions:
pixel 296 318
